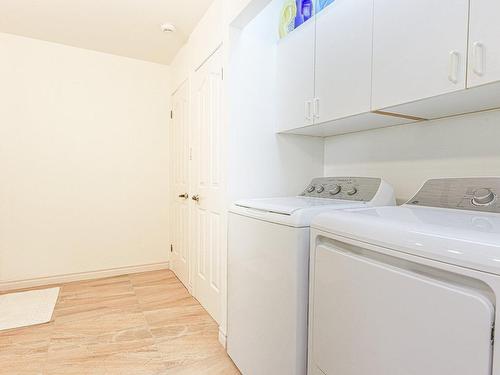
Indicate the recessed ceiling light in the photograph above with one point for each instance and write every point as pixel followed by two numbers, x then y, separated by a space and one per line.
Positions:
pixel 168 28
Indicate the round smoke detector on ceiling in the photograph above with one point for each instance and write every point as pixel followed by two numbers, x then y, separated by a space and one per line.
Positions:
pixel 168 28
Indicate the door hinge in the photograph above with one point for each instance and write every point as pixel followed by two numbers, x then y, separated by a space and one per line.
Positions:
pixel 171 248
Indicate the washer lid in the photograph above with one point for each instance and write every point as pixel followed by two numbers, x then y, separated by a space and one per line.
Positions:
pixel 289 205
pixel 464 238
pixel 294 211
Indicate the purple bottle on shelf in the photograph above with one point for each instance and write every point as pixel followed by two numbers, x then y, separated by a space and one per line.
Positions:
pixel 305 10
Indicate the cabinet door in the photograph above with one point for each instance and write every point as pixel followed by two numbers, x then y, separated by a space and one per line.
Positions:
pixel 484 48
pixel 295 77
pixel 419 49
pixel 343 59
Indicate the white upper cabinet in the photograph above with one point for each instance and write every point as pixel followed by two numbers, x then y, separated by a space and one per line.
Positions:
pixel 295 77
pixel 484 43
pixel 419 49
pixel 363 64
pixel 343 59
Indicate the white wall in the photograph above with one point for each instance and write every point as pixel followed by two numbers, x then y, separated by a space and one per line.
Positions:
pixel 407 155
pixel 236 7
pixel 240 12
pixel 206 37
pixel 262 163
pixel 83 160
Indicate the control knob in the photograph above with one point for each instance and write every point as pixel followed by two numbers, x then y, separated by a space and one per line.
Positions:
pixel 483 197
pixel 352 192
pixel 335 190
pixel 320 189
pixel 310 189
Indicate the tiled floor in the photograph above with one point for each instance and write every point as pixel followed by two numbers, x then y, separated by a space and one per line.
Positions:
pixel 143 324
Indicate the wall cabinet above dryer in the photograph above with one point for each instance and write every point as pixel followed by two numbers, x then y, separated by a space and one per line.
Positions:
pixel 434 59
pixel 484 45
pixel 419 49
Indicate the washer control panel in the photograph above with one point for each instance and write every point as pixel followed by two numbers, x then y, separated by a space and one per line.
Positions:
pixel 475 194
pixel 359 189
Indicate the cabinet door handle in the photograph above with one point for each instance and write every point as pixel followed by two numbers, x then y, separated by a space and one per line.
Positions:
pixel 478 58
pixel 454 66
pixel 316 107
pixel 184 196
pixel 196 198
pixel 308 110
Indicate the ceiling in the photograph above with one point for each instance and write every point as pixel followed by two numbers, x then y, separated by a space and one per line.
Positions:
pixel 122 27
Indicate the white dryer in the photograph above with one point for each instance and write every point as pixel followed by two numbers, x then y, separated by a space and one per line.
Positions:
pixel 409 290
pixel 268 267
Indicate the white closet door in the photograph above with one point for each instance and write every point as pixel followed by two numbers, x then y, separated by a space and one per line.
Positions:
pixel 179 260
pixel 344 59
pixel 209 208
pixel 484 46
pixel 419 49
pixel 374 318
pixel 295 78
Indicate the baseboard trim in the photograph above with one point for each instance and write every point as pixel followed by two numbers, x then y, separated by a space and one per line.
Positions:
pixel 61 279
pixel 222 338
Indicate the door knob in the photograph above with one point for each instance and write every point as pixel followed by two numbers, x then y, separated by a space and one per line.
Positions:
pixel 196 198
pixel 185 196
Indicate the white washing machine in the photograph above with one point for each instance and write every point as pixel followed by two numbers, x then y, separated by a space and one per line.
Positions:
pixel 268 267
pixel 409 290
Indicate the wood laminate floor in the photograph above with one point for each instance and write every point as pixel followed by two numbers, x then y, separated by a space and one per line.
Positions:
pixel 142 324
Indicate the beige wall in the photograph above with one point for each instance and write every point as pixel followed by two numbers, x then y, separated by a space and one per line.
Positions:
pixel 83 160
pixel 408 155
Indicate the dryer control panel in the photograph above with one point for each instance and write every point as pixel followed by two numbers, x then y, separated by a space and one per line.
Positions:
pixel 474 194
pixel 358 189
